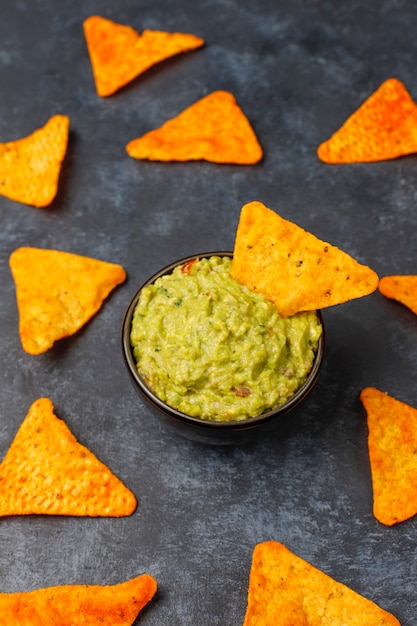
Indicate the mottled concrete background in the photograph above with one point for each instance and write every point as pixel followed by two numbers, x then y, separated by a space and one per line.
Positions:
pixel 298 68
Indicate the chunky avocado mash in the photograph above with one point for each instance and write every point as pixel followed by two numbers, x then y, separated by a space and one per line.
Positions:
pixel 209 347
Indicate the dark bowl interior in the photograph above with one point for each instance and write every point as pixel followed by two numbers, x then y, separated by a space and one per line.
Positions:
pixel 206 431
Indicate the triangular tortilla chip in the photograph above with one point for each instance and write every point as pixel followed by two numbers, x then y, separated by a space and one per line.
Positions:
pixel 58 292
pixel 392 444
pixel 46 471
pixel 384 127
pixel 119 54
pixel 293 268
pixel 401 288
pixel 285 590
pixel 90 605
pixel 30 167
pixel 212 129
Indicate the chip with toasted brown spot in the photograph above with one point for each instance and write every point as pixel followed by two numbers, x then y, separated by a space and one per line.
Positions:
pixel 286 590
pixel 392 444
pixel 47 471
pixel 384 127
pixel 402 288
pixel 58 292
pixel 118 53
pixel 212 129
pixel 30 167
pixel 90 605
pixel 293 268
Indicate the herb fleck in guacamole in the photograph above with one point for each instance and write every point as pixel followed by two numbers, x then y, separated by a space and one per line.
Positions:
pixel 211 348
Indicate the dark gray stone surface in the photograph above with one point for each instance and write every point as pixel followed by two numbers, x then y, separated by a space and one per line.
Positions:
pixel 298 68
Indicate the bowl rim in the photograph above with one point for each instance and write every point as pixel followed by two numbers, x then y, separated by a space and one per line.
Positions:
pixel 250 422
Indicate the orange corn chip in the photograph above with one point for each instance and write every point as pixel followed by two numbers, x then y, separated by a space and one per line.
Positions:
pixel 212 129
pixel 90 605
pixel 57 293
pixel 46 471
pixel 30 167
pixel 291 267
pixel 285 590
pixel 384 127
pixel 401 288
pixel 392 443
pixel 119 54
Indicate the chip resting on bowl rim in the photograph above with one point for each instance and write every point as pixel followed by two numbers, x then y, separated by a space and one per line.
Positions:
pixel 292 267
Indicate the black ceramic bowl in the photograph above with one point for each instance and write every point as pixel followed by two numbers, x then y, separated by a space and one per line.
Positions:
pixel 206 431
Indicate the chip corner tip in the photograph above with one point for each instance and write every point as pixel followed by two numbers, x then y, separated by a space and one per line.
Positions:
pixel 323 152
pixel 132 504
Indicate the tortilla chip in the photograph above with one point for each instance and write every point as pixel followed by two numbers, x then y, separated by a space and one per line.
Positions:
pixel 212 129
pixel 291 267
pixel 384 127
pixel 30 167
pixel 392 444
pixel 46 471
pixel 90 605
pixel 285 590
pixel 57 293
pixel 400 288
pixel 119 54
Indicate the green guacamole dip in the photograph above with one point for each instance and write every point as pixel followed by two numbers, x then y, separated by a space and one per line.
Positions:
pixel 209 347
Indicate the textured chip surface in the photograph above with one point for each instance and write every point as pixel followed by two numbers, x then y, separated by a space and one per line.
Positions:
pixel 293 268
pixel 89 605
pixel 384 127
pixel 392 444
pixel 285 590
pixel 118 53
pixel 402 288
pixel 30 167
pixel 212 129
pixel 58 292
pixel 47 471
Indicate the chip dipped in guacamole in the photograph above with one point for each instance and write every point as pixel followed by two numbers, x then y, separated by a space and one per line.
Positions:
pixel 211 348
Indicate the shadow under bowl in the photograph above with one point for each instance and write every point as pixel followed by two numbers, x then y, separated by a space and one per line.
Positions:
pixel 209 431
